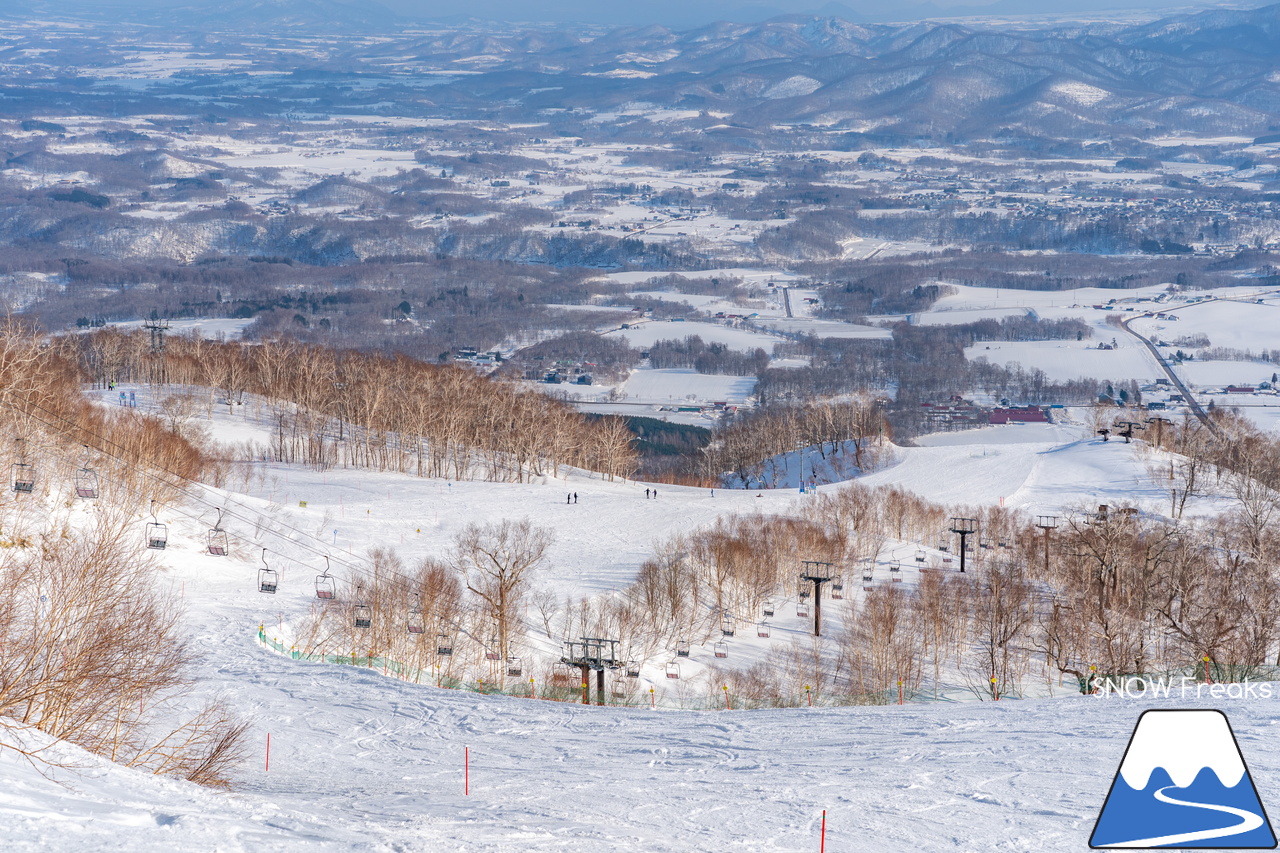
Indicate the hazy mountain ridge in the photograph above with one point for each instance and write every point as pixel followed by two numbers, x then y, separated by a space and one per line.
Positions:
pixel 826 71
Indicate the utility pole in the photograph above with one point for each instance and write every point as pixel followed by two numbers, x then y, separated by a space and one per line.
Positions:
pixel 818 573
pixel 965 527
pixel 1047 523
pixel 590 654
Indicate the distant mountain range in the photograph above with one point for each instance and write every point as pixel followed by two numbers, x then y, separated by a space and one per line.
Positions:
pixel 1211 72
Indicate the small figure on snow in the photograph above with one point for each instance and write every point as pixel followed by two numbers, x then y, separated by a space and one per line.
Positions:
pixel 575 497
pixel 646 494
pixel 568 498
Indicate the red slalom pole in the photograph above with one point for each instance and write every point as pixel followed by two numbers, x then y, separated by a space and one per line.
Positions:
pixel 899 691
pixel 268 767
pixel 466 785
pixel 823 847
pixel 1206 670
pixel 726 698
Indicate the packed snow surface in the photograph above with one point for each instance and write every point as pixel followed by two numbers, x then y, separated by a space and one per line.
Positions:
pixel 362 761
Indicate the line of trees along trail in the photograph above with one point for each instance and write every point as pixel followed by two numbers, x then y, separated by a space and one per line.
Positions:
pixel 368 410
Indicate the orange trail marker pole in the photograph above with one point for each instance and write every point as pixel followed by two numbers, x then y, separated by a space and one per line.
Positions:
pixel 899 691
pixel 823 846
pixel 726 698
pixel 1206 670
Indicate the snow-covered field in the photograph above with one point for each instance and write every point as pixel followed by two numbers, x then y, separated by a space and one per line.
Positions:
pixel 743 340
pixel 360 761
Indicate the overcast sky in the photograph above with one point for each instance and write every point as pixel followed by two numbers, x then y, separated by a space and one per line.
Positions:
pixel 678 13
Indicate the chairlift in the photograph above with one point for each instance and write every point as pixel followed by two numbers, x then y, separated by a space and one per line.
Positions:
pixel 984 544
pixel 157 533
pixel 325 588
pixel 866 574
pixel 837 587
pixel 361 614
pixel 895 573
pixel 218 544
pixel 1003 543
pixel 682 648
pixel 631 669
pixel 943 544
pixel 86 483
pixel 804 594
pixel 24 477
pixel 268 578
pixel 768 607
pixel 802 608
pixel 413 621
pixel 673 670
pixel 514 668
pixel 491 651
pixel 444 644
pixel 721 649
pixel 920 556
pixel 762 629
pixel 727 625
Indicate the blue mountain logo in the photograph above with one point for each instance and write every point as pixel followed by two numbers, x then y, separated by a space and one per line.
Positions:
pixel 1183 783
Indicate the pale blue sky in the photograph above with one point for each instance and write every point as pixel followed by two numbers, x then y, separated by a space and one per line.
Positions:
pixel 683 13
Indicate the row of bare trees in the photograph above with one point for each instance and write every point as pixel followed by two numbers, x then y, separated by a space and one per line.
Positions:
pixel 852 427
pixel 90 648
pixel 414 613
pixel 368 410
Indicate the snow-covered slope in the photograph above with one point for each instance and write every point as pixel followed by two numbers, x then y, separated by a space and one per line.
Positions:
pixel 360 761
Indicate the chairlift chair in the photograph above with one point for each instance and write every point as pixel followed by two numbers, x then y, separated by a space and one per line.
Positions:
pixel 157 532
pixel 837 587
pixel 325 588
pixel 673 670
pixel 762 629
pixel 361 614
pixel 920 556
pixel 984 544
pixel 768 607
pixel 631 669
pixel 727 625
pixel 218 544
pixel 514 668
pixel 268 579
pixel 943 545
pixel 895 573
pixel 86 483
pixel 24 477
pixel 802 608
pixel 491 651
pixel 721 649
pixel 682 648
pixel 444 644
pixel 413 621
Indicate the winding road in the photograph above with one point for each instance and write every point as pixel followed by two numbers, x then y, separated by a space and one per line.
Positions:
pixel 1248 822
